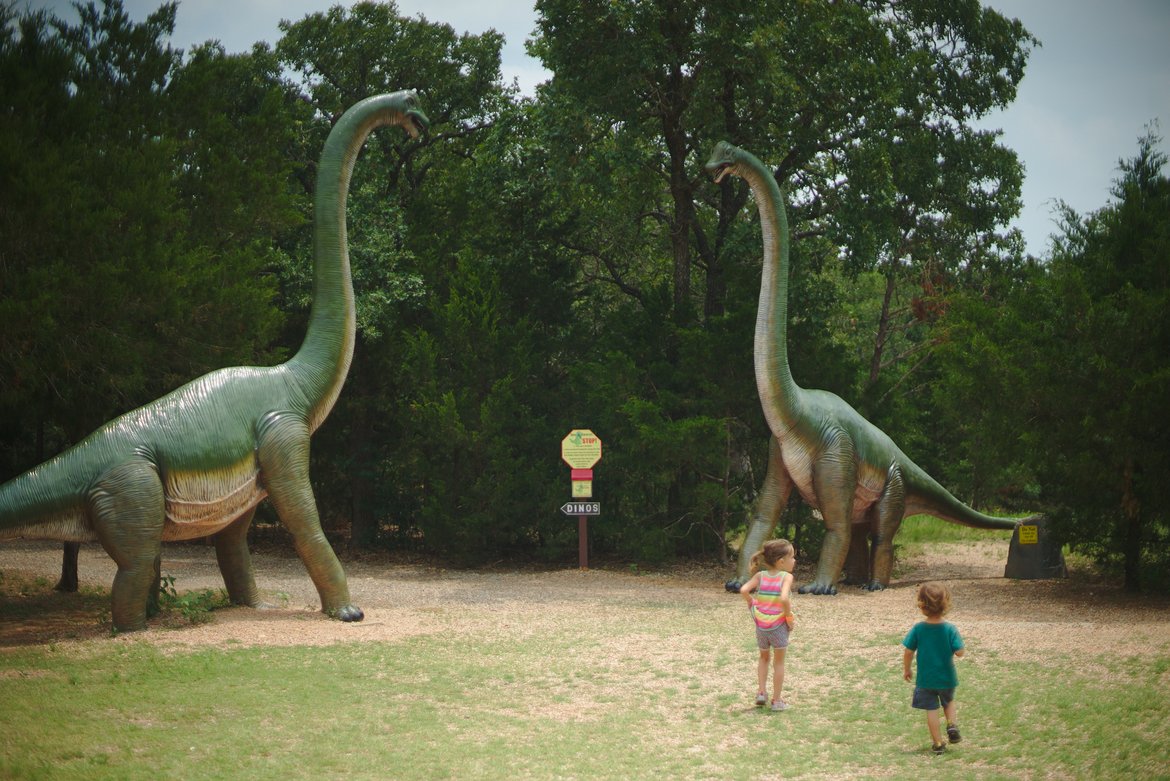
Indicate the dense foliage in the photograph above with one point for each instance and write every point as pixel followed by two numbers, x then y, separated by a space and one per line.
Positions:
pixel 533 265
pixel 1078 348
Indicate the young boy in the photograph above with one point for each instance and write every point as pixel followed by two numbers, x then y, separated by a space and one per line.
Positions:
pixel 937 643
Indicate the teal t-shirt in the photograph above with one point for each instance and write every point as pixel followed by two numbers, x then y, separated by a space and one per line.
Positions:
pixel 935 646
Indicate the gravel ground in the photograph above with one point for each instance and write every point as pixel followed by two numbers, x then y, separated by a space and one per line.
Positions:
pixel 1027 619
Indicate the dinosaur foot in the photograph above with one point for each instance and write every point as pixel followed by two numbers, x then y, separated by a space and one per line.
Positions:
pixel 732 586
pixel 874 585
pixel 819 588
pixel 347 613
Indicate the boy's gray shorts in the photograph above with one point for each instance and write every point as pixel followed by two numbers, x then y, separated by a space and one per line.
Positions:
pixel 772 638
pixel 931 699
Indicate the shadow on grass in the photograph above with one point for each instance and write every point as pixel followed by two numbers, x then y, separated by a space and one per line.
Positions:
pixel 34 614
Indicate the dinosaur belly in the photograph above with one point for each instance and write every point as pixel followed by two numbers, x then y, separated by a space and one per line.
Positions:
pixel 863 498
pixel 798 463
pixel 201 504
pixel 869 481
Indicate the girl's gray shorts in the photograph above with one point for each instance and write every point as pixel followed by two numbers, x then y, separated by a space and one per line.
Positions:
pixel 772 638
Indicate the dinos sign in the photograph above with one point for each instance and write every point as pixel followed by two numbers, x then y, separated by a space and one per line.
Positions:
pixel 581 450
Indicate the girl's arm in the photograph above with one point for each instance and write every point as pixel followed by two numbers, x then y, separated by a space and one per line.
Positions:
pixel 747 588
pixel 785 594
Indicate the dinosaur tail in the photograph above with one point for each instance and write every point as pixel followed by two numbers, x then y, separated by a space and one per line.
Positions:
pixel 925 495
pixel 40 504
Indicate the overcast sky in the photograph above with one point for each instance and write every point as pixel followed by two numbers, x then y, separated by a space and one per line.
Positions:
pixel 1099 78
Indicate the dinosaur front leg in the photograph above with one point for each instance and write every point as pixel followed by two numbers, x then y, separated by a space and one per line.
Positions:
pixel 126 507
pixel 154 595
pixel 235 561
pixel 766 512
pixel 834 482
pixel 284 467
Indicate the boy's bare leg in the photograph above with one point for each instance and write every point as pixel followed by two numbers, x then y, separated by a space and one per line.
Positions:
pixel 933 725
pixel 950 713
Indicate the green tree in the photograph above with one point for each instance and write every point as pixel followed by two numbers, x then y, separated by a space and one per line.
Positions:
pixel 134 260
pixel 866 107
pixel 866 110
pixel 88 232
pixel 413 218
pixel 1110 291
pixel 239 162
pixel 1078 347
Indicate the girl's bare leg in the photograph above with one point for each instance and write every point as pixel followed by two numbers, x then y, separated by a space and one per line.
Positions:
pixel 762 671
pixel 777 674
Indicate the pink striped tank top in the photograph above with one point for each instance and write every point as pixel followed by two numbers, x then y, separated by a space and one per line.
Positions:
pixel 767 609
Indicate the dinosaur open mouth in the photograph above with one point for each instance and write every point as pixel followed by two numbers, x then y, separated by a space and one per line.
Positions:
pixel 721 171
pixel 416 125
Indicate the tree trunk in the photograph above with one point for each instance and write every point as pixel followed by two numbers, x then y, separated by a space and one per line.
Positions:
pixel 681 192
pixel 1132 511
pixel 883 333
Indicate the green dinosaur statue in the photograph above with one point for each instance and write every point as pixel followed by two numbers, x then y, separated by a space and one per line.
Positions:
pixel 199 460
pixel 842 465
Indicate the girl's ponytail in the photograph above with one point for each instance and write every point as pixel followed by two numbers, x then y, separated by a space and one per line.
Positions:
pixel 771 553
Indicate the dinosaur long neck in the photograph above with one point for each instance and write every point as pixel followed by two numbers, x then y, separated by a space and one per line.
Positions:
pixel 778 392
pixel 323 360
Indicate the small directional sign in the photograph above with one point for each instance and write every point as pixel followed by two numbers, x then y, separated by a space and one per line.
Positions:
pixel 581 508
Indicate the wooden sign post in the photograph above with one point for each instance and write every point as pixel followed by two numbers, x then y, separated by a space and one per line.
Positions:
pixel 581 450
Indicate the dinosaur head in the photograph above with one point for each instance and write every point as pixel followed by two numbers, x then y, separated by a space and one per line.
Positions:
pixel 724 160
pixel 417 120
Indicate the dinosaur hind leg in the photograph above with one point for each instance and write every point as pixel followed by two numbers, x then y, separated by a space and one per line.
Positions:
pixel 857 562
pixel 235 561
pixel 284 468
pixel 127 509
pixel 887 515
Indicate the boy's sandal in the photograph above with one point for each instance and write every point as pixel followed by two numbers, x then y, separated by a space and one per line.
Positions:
pixel 938 748
pixel 953 733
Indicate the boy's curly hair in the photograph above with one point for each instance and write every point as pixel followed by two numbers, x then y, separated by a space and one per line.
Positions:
pixel 934 599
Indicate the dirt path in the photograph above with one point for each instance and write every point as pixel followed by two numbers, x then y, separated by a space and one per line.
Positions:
pixel 1027 619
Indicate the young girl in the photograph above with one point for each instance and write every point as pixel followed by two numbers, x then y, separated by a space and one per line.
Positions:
pixel 772 610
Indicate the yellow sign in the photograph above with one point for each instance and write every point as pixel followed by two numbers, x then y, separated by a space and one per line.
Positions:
pixel 582 489
pixel 581 449
pixel 1029 534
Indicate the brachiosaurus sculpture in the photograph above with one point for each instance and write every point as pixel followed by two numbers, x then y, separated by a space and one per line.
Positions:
pixel 841 464
pixel 197 461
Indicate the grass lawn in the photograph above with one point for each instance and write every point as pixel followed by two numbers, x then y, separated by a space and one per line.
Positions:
pixel 602 676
